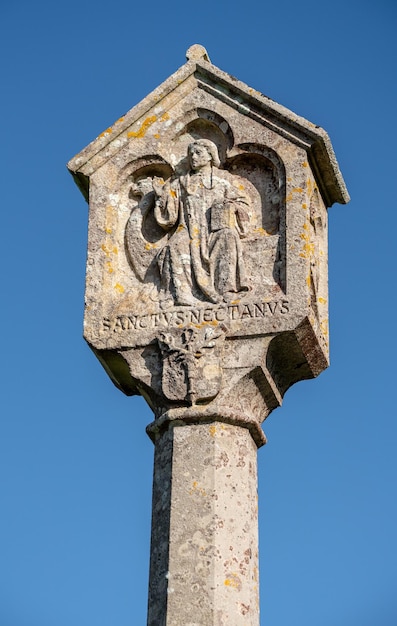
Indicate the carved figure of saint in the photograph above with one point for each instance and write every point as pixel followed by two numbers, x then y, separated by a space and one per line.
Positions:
pixel 206 213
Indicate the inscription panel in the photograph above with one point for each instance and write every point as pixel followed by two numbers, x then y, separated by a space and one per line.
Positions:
pixel 197 316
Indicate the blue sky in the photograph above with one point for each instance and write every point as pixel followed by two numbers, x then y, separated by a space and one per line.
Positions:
pixel 75 462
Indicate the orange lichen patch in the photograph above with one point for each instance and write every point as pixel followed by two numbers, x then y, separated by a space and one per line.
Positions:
pixel 156 136
pixel 324 327
pixel 150 246
pixel 172 193
pixel 322 301
pixel 241 187
pixel 106 132
pixel 105 249
pixel 289 197
pixel 308 247
pixel 144 126
pixel 119 288
pixel 180 227
pixel 165 117
pixel 121 119
pixel 308 250
pixel 110 219
pixel 233 581
pixel 109 267
pixel 304 205
pixel 305 164
pixel 308 280
pixel 196 489
pixel 297 190
pixel 305 236
pixel 212 430
pixel 261 231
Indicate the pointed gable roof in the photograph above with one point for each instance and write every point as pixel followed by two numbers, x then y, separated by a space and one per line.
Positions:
pixel 204 75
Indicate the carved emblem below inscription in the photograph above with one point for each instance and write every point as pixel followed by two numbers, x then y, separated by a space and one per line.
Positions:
pixel 191 363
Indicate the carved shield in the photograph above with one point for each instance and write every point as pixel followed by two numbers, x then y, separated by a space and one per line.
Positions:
pixel 192 369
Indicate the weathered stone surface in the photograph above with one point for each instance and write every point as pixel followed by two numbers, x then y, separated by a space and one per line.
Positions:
pixel 207 294
pixel 188 263
pixel 204 551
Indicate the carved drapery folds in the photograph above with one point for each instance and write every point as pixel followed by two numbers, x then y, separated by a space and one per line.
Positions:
pixel 196 234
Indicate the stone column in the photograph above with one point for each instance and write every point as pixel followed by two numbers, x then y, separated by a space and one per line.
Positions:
pixel 204 547
pixel 206 293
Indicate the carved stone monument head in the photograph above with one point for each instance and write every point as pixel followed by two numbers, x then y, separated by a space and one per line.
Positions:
pixel 206 282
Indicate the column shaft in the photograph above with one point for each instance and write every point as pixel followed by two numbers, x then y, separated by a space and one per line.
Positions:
pixel 204 547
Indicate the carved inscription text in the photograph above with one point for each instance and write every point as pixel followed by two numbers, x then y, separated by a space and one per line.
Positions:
pixel 184 317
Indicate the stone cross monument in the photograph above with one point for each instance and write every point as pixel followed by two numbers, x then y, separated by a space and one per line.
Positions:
pixel 206 293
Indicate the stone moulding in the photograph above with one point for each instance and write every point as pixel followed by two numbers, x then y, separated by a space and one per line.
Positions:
pixel 207 252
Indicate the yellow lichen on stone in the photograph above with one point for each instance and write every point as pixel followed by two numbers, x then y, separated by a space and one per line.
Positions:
pixel 233 581
pixel 119 288
pixel 196 489
pixel 324 327
pixel 150 246
pixel 106 132
pixel 144 126
pixel 308 247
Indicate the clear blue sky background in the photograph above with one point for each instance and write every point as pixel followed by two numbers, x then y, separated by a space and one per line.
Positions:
pixel 75 462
